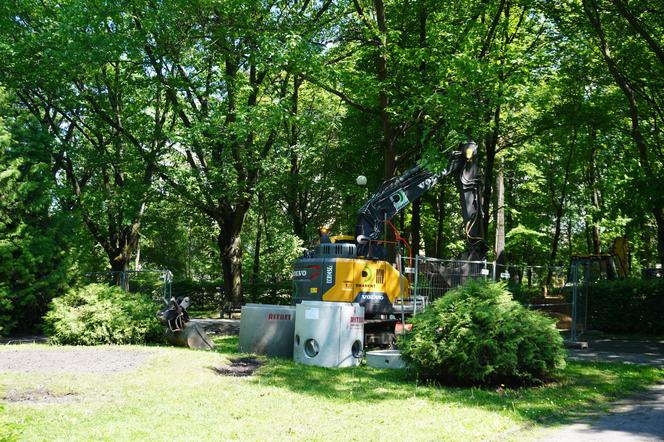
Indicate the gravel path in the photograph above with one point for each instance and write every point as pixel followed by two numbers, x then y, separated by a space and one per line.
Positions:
pixel 78 360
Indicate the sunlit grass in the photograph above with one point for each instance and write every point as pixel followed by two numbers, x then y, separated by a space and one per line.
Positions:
pixel 178 395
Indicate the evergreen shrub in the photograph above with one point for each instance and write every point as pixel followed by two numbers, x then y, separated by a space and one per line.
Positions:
pixel 100 314
pixel 478 335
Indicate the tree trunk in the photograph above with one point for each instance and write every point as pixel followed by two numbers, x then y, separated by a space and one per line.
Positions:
pixel 257 252
pixel 570 246
pixel 500 216
pixel 560 206
pixel 230 246
pixel 415 225
pixel 294 198
pixel 389 150
pixel 137 260
pixel 416 221
pixel 440 217
pixel 659 218
pixel 491 146
pixel 120 263
pixel 595 200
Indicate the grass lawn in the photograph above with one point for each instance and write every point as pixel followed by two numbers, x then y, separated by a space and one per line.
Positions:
pixel 177 395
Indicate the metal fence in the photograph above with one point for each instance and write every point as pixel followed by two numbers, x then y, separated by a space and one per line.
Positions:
pixel 544 288
pixel 579 280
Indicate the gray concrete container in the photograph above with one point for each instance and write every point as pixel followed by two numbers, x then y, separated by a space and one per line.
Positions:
pixel 329 334
pixel 385 359
pixel 267 329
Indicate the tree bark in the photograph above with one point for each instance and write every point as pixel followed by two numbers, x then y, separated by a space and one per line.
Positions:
pixel 440 217
pixel 257 248
pixel 389 151
pixel 500 216
pixel 595 200
pixel 415 225
pixel 491 147
pixel 230 246
pixel 296 203
pixel 659 218
pixel 416 220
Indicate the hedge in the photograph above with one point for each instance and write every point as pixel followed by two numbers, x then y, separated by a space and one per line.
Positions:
pixel 627 306
pixel 100 314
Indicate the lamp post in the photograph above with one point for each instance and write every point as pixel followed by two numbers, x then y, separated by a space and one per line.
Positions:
pixel 361 181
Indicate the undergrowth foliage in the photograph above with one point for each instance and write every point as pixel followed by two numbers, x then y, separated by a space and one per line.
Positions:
pixel 627 306
pixel 99 314
pixel 479 335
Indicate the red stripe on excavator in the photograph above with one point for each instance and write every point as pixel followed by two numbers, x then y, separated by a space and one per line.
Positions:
pixel 315 274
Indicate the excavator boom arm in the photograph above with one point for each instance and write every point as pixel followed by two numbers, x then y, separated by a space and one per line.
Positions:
pixel 397 193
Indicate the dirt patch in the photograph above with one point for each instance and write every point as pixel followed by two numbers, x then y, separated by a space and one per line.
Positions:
pixel 240 367
pixel 38 395
pixel 66 360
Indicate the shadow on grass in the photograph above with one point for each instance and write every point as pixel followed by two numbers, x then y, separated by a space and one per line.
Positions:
pixel 582 388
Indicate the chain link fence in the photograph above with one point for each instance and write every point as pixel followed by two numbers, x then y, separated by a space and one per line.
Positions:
pixel 544 288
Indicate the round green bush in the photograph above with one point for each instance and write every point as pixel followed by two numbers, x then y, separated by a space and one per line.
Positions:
pixel 99 314
pixel 478 335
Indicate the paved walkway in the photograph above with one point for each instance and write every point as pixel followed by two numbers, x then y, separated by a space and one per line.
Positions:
pixel 635 419
pixel 622 350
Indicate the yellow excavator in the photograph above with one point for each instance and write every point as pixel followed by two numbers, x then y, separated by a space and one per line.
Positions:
pixel 355 269
pixel 616 263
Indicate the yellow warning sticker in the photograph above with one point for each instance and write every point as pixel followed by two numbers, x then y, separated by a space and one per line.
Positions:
pixel 313 290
